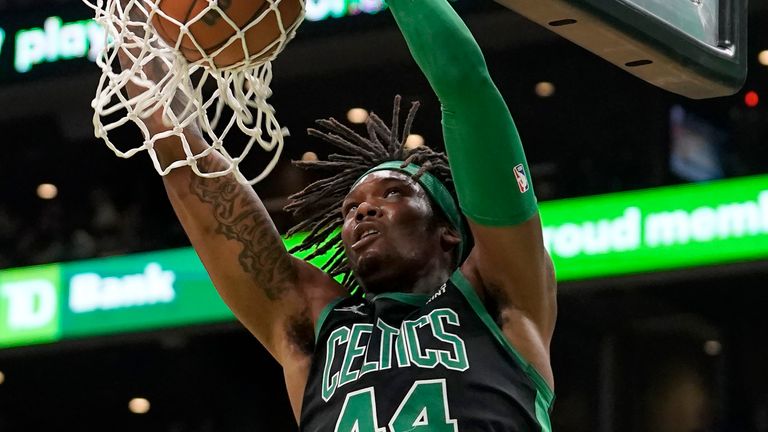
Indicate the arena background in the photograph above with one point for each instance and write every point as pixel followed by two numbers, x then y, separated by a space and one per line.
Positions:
pixel 674 342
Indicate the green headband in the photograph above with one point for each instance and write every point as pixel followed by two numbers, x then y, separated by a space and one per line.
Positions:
pixel 436 190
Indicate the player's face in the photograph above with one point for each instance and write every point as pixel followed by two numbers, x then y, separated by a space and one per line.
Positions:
pixel 390 233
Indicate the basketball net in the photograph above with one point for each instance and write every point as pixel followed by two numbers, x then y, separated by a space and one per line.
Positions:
pixel 197 94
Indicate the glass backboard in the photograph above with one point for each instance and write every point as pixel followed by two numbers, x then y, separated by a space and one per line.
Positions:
pixel 696 48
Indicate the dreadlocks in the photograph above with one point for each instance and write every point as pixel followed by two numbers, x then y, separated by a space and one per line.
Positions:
pixel 317 206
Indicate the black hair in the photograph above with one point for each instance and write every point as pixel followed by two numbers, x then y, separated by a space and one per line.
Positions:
pixel 318 205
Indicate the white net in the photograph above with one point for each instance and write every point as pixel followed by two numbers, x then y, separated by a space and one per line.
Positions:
pixel 192 86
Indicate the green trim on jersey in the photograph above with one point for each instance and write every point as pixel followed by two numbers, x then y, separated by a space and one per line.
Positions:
pixel 407 298
pixel 324 314
pixel 545 395
pixel 543 405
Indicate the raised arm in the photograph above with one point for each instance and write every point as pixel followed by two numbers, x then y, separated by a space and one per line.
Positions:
pixel 509 263
pixel 276 296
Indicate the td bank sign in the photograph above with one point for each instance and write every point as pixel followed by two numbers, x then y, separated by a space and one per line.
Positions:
pixel 29 305
pixel 36 307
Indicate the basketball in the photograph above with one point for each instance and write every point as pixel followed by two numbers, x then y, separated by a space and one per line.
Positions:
pixel 212 30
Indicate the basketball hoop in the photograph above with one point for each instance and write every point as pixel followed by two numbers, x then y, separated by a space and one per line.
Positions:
pixel 189 93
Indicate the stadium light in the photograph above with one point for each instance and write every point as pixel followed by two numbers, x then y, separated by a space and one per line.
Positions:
pixel 413 141
pixel 139 405
pixel 713 347
pixel 309 157
pixel 47 191
pixel 763 57
pixel 357 115
pixel 544 89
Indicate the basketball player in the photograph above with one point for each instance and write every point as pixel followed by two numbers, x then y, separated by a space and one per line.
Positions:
pixel 455 328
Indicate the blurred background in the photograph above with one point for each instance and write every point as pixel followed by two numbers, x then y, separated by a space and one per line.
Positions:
pixel 667 337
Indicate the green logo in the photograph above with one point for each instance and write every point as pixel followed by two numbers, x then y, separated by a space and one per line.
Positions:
pixel 29 305
pixel 410 348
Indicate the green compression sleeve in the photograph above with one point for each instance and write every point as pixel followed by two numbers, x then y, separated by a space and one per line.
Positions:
pixel 484 149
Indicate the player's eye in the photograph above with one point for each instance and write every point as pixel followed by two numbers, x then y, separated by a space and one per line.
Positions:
pixel 392 192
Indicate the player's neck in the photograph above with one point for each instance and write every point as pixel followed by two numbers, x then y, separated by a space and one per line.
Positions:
pixel 428 284
pixel 425 281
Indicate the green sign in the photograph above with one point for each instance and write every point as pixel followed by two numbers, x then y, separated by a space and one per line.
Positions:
pixel 658 229
pixel 138 293
pixel 29 305
pixel 618 234
pixel 106 296
pixel 56 40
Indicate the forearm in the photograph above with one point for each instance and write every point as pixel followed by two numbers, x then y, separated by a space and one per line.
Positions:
pixel 227 222
pixel 477 126
pixel 240 248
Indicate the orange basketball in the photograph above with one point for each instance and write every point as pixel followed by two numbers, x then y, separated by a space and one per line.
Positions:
pixel 214 34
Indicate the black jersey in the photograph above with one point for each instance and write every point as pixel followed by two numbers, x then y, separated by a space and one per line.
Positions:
pixel 420 363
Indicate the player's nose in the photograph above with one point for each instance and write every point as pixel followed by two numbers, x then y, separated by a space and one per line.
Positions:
pixel 366 210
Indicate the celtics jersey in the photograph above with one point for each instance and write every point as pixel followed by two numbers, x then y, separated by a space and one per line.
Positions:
pixel 420 363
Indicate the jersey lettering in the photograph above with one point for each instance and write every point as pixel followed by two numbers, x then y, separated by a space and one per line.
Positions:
pixel 388 334
pixel 337 338
pixel 459 362
pixel 414 350
pixel 353 351
pixel 439 346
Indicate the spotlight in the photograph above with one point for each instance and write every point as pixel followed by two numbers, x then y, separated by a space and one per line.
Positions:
pixel 544 89
pixel 763 57
pixel 413 141
pixel 47 191
pixel 138 406
pixel 713 347
pixel 357 115
pixel 309 157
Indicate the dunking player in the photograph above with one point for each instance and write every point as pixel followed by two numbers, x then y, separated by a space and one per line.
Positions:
pixel 455 329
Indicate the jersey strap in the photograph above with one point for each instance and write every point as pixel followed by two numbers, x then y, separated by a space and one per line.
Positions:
pixel 325 312
pixel 544 395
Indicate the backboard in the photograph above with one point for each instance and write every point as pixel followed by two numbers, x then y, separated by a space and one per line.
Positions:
pixel 696 48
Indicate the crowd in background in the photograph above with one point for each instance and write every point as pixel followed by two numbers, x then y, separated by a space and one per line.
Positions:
pixel 96 225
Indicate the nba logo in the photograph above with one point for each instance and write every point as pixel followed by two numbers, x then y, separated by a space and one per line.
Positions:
pixel 522 180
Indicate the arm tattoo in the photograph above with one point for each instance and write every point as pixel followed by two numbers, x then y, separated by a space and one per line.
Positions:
pixel 242 219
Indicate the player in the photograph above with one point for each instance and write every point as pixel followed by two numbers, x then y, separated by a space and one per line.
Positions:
pixel 455 329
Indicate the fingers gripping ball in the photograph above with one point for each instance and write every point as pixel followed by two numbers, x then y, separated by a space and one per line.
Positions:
pixel 211 28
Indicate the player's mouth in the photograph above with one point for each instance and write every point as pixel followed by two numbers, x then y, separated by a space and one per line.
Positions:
pixel 366 234
pixel 367 238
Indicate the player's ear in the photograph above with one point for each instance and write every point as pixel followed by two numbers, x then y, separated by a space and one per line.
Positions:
pixel 449 237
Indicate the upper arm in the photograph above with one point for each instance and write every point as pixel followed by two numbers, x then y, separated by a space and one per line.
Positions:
pixel 513 266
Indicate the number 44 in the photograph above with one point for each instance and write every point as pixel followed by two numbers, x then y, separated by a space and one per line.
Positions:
pixel 424 409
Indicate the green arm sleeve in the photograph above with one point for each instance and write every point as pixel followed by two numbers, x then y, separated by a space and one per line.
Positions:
pixel 484 149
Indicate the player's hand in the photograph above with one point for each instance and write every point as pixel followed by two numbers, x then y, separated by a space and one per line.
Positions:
pixel 144 78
